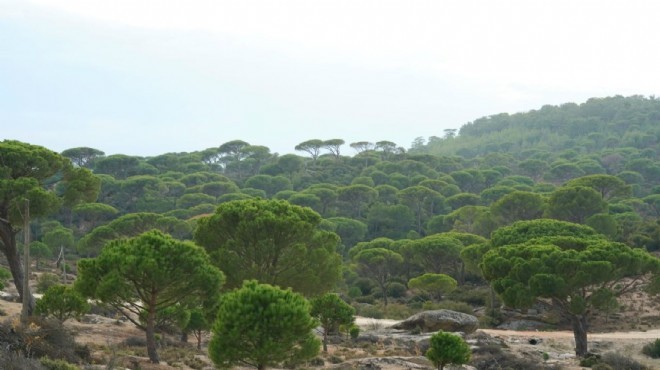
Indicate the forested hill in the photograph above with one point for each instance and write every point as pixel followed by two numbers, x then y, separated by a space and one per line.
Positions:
pixel 591 127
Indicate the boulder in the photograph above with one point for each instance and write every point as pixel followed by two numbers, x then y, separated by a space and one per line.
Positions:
pixel 445 320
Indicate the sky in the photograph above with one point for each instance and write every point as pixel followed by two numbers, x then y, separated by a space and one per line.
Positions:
pixel 147 77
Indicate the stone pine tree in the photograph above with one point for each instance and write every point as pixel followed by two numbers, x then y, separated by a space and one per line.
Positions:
pixel 147 274
pixel 577 275
pixel 261 325
pixel 331 311
pixel 24 171
pixel 446 349
pixel 273 242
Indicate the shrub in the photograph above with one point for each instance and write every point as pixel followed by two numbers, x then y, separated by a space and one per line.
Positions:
pixel 57 364
pixel 263 325
pixel 365 285
pixel 396 290
pixel 447 348
pixel 354 331
pixel 14 361
pixel 652 349
pixel 354 292
pixel 46 338
pixel 62 303
pixel 368 310
pixel 475 296
pixel 397 311
pixel 619 361
pixel 45 281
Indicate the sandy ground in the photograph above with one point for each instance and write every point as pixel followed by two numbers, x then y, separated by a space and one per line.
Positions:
pixel 105 332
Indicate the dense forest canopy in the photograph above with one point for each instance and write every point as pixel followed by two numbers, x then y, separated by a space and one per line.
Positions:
pixel 570 181
pixel 496 170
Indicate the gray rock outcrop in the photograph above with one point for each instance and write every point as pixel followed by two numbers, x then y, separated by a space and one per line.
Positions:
pixel 445 320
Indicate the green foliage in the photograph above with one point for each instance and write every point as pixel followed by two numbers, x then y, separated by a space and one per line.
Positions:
pixel 378 264
pixel 578 274
pixel 51 364
pixel 354 331
pixel 575 204
pixel 396 290
pixel 261 325
pixel 39 251
pixel 4 276
pixel 62 303
pixel 149 273
pixel 516 206
pixel 273 242
pixel 522 231
pixel 45 281
pixel 446 349
pixel 435 285
pixel 652 349
pixel 332 312
pixel 24 171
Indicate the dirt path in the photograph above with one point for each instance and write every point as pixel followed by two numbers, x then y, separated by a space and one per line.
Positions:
pixel 650 334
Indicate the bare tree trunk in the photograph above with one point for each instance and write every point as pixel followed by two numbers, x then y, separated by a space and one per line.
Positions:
pixel 8 238
pixel 579 323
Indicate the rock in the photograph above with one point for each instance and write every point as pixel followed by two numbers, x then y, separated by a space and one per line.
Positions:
pixel 10 297
pixel 445 320
pixel 385 363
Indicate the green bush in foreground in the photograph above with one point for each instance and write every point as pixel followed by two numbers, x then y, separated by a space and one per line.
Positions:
pixel 446 349
pixel 261 325
pixel 652 349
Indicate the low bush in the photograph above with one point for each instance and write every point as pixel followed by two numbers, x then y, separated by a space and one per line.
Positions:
pixel 396 290
pixel 475 296
pixel 449 305
pixel 14 361
pixel 45 281
pixel 368 310
pixel 397 311
pixel 621 362
pixel 652 349
pixel 57 364
pixel 354 331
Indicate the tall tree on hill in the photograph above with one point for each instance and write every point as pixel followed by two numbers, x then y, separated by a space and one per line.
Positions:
pixel 24 169
pixel 313 147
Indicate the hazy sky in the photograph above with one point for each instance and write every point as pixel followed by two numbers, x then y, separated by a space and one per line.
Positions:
pixel 146 77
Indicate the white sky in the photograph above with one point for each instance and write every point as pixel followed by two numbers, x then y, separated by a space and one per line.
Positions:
pixel 148 77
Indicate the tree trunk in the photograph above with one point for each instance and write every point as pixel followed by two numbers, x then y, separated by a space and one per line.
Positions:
pixel 325 340
pixel 184 337
pixel 580 333
pixel 10 251
pixel 199 340
pixel 151 336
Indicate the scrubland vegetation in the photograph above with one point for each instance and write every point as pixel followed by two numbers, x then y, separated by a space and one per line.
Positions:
pixel 555 208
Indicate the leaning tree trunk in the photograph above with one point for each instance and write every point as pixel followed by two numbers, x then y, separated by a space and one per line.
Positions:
pixel 10 251
pixel 579 323
pixel 151 336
